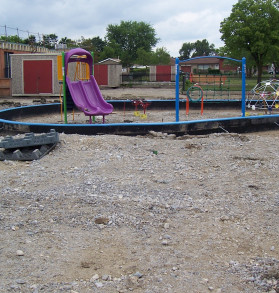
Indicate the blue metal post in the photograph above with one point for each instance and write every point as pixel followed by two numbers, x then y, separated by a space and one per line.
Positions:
pixel 177 89
pixel 243 102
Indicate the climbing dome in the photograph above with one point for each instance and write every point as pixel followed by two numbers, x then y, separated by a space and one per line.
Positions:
pixel 264 96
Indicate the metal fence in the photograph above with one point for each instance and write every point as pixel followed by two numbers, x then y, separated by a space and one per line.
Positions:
pixel 145 77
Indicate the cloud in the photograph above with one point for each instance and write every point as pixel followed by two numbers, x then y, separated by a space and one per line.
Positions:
pixel 175 22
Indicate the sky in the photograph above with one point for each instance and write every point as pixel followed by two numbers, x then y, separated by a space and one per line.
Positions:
pixel 175 21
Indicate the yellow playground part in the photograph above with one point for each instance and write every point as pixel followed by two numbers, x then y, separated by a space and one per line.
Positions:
pixel 82 70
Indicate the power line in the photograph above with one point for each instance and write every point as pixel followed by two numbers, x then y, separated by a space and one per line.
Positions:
pixel 6 34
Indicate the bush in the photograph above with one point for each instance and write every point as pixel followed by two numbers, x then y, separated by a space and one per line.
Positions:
pixel 140 70
pixel 213 71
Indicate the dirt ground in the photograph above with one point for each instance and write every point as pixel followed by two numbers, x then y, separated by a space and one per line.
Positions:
pixel 151 214
pixel 123 115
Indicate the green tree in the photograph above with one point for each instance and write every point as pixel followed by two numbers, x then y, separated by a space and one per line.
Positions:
pixel 49 41
pixel 238 53
pixel 273 58
pixel 129 36
pixel 144 58
pixel 70 43
pixel 11 39
pixel 199 48
pixel 186 51
pixel 203 48
pixel 160 57
pixel 253 26
pixel 111 50
pixel 98 43
pixel 32 42
pixel 95 44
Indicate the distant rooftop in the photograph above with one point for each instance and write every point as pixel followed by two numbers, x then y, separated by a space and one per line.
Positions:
pixel 110 60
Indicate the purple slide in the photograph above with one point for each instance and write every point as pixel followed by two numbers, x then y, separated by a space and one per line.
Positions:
pixel 86 94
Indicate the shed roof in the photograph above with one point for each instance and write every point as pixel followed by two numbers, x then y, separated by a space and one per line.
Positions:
pixel 110 61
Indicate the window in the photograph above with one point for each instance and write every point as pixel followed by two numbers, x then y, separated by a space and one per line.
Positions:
pixel 203 66
pixel 7 64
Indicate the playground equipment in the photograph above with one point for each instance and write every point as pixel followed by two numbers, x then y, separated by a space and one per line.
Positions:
pixel 243 72
pixel 194 94
pixel 83 91
pixel 264 96
pixel 144 105
pixel 9 122
pixel 215 86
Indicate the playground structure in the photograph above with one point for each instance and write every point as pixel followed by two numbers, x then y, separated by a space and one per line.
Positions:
pixel 83 91
pixel 264 96
pixel 83 88
pixel 144 104
pixel 17 120
pixel 194 94
pixel 243 76
pixel 215 86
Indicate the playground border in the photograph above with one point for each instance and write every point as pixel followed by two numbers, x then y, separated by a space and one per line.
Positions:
pixel 240 124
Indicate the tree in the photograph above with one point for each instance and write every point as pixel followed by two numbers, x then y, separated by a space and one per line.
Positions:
pixel 109 52
pixel 12 39
pixel 203 48
pixel 31 41
pixel 186 50
pixel 95 44
pixel 129 36
pixel 238 54
pixel 253 26
pixel 144 58
pixel 273 58
pixel 199 48
pixel 70 43
pixel 98 43
pixel 50 40
pixel 160 57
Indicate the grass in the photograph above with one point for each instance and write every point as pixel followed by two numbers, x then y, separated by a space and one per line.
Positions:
pixel 232 83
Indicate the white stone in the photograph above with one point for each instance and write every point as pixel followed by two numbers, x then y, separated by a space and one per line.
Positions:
pixel 94 278
pixel 165 242
pixel 99 284
pixel 166 225
pixel 19 253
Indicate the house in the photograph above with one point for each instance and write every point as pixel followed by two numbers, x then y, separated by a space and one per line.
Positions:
pixel 204 64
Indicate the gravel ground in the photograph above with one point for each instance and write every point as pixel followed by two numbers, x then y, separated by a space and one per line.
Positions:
pixel 151 214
